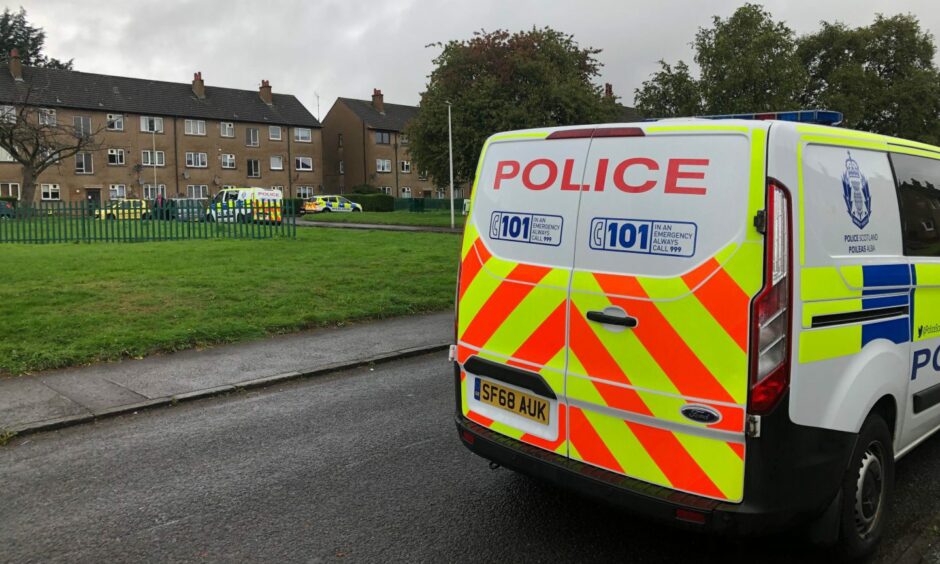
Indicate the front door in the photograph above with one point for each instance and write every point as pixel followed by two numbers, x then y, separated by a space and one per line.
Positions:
pixel 92 200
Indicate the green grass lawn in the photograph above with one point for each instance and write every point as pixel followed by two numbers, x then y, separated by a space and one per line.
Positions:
pixel 431 218
pixel 67 304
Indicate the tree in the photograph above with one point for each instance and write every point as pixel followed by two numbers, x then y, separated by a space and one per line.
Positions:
pixel 670 92
pixel 500 81
pixel 36 140
pixel 17 33
pixel 881 77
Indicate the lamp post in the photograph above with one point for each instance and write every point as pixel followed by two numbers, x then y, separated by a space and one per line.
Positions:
pixel 450 150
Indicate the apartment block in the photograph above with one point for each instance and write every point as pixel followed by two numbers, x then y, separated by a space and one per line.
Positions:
pixel 364 143
pixel 175 139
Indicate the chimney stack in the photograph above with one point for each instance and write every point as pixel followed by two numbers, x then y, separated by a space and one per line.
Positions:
pixel 378 101
pixel 16 66
pixel 199 87
pixel 265 92
pixel 608 90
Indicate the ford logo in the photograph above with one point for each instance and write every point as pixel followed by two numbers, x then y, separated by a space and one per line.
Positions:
pixel 700 414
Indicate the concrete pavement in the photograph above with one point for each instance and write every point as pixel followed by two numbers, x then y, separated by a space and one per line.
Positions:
pixel 380 227
pixel 64 397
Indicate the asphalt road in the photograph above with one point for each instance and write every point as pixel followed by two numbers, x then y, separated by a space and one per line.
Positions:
pixel 361 466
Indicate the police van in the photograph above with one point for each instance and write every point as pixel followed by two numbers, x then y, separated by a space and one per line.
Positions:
pixel 731 324
pixel 244 205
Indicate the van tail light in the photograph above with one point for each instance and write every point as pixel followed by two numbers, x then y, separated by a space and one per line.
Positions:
pixel 771 311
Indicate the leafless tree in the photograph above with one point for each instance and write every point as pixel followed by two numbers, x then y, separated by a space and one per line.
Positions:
pixel 34 137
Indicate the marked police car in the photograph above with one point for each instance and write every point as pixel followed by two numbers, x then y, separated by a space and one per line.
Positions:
pixel 733 324
pixel 318 204
pixel 245 205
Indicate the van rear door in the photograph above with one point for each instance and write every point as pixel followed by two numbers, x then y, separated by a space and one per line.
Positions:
pixel 517 254
pixel 667 260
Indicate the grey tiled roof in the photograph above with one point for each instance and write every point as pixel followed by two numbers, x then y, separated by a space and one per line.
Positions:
pixel 99 92
pixel 394 118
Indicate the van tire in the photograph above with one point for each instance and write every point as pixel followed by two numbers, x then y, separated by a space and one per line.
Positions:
pixel 866 490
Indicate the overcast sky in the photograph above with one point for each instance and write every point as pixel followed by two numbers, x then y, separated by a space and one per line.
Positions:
pixel 347 48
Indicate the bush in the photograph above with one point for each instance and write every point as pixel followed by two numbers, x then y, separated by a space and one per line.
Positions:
pixel 365 189
pixel 373 202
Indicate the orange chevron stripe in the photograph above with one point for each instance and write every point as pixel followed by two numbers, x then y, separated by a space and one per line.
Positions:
pixel 472 264
pixel 661 341
pixel 545 342
pixel 476 417
pixel 588 443
pixel 738 449
pixel 674 461
pixel 723 298
pixel 502 302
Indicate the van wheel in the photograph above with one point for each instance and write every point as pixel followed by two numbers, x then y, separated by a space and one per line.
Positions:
pixel 866 490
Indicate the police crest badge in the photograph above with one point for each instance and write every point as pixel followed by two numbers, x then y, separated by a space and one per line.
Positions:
pixel 856 193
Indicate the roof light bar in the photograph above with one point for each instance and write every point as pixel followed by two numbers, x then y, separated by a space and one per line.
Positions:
pixel 820 117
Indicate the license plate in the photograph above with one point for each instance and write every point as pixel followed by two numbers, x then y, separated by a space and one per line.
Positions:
pixel 513 401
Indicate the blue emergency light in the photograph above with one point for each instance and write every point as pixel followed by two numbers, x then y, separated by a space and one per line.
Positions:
pixel 820 117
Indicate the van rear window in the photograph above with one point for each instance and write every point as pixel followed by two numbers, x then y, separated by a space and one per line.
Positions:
pixel 919 189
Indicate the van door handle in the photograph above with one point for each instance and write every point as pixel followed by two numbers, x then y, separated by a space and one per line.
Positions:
pixel 601 317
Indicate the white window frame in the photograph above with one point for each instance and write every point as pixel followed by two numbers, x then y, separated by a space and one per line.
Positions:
pixel 194 127
pixel 228 186
pixel 47 117
pixel 191 190
pixel 151 194
pixel 146 159
pixel 303 164
pixel 146 122
pixel 115 122
pixel 406 191
pixel 405 167
pixel 304 191
pixel 342 167
pixel 303 135
pixel 422 174
pixel 5 156
pixel 78 123
pixel 8 114
pixel 119 157
pixel 228 161
pixel 227 129
pixel 383 165
pixel 271 130
pixel 90 168
pixel 403 139
pixel 252 137
pixel 50 192
pixel 6 190
pixel 279 160
pixel 387 190
pixel 197 160
pixel 257 168
pixel 117 191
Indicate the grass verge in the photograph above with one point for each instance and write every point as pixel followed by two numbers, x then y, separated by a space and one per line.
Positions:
pixel 425 219
pixel 69 304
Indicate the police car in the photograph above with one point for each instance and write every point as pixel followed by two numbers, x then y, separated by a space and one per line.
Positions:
pixel 319 204
pixel 729 323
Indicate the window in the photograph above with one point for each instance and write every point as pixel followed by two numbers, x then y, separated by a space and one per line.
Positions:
pixel 150 124
pixel 228 160
pixel 303 134
pixel 83 163
pixel 422 175
pixel 277 162
pixel 47 117
pixel 115 122
pixel 117 191
pixel 149 158
pixel 382 137
pixel 440 193
pixel 254 168
pixel 405 166
pixel 228 186
pixel 197 160
pixel 50 191
pixel 227 129
pixel 387 190
pixel 274 132
pixel 919 181
pixel 252 137
pixel 115 156
pixel 82 126
pixel 10 190
pixel 197 191
pixel 303 163
pixel 342 169
pixel 383 165
pixel 151 192
pixel 278 187
pixel 339 140
pixel 194 127
pixel 405 192
pixel 8 114
pixel 5 156
pixel 304 191
pixel 403 138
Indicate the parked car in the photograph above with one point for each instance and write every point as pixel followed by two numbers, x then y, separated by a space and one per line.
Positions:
pixel 7 210
pixel 184 209
pixel 125 209
pixel 319 204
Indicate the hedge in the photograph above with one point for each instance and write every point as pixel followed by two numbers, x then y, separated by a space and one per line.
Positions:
pixel 373 202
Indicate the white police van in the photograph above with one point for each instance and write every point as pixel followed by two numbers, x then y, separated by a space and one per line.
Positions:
pixel 729 323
